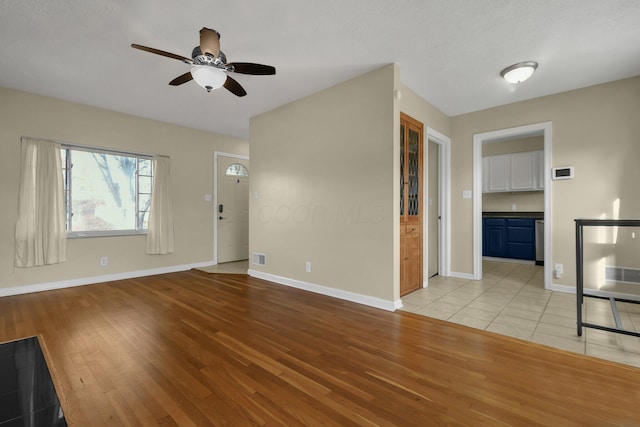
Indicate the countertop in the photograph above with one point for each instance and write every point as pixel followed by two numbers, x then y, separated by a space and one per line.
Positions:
pixel 513 214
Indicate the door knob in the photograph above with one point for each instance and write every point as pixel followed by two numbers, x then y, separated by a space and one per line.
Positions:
pixel 221 217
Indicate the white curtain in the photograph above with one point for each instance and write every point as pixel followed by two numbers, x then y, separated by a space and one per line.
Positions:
pixel 40 229
pixel 160 230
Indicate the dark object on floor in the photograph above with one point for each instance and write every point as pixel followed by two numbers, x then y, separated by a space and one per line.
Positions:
pixel 27 395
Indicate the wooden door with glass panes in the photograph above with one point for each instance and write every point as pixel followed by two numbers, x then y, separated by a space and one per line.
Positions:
pixel 411 170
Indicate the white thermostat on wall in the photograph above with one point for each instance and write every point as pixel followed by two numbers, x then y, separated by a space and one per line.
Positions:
pixel 565 172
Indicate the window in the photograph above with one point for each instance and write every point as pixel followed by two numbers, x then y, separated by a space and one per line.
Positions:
pixel 106 193
pixel 237 169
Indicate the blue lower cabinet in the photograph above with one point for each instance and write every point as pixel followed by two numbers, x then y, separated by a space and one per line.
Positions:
pixel 494 237
pixel 521 242
pixel 509 238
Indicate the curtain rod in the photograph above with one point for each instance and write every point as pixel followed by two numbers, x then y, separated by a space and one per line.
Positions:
pixel 91 148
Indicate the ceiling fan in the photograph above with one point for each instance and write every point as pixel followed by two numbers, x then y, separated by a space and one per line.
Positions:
pixel 210 65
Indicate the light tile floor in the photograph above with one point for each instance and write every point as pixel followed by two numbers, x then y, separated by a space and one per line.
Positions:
pixel 236 267
pixel 511 300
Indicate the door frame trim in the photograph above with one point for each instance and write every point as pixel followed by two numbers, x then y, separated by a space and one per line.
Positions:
pixel 444 202
pixel 544 129
pixel 216 155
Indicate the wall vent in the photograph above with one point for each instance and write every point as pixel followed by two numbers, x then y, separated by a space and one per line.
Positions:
pixel 622 275
pixel 259 259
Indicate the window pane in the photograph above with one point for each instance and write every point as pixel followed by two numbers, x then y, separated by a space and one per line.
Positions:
pixel 401 170
pixel 144 167
pixel 103 192
pixel 237 169
pixel 144 184
pixel 143 220
pixel 414 172
pixel 145 202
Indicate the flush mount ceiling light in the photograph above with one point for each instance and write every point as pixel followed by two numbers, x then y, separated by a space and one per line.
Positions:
pixel 208 77
pixel 520 72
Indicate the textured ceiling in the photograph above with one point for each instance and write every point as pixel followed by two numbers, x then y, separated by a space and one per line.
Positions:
pixel 449 51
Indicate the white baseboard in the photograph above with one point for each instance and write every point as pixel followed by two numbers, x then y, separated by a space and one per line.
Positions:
pixel 49 286
pixel 509 260
pixel 461 275
pixel 563 288
pixel 331 292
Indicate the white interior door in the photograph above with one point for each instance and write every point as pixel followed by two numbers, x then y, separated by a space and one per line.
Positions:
pixel 433 209
pixel 232 212
pixel 443 232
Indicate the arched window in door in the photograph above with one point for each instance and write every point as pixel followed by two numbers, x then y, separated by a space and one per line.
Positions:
pixel 237 169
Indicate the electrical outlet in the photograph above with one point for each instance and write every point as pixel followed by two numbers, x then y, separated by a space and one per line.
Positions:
pixel 558 270
pixel 513 206
pixel 308 267
pixel 104 261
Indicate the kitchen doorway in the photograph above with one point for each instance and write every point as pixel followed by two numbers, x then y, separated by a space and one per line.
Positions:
pixel 540 129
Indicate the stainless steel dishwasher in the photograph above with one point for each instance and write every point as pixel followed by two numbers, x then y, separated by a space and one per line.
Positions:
pixel 539 242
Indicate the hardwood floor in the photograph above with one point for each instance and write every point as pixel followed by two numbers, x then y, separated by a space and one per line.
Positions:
pixel 193 349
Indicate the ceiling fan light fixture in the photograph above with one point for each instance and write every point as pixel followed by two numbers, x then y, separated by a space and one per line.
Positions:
pixel 517 73
pixel 209 65
pixel 208 77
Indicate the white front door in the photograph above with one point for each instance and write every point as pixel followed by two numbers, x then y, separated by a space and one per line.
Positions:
pixel 232 212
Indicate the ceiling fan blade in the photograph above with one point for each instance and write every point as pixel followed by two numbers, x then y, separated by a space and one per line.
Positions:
pixel 186 77
pixel 234 87
pixel 162 53
pixel 210 41
pixel 250 68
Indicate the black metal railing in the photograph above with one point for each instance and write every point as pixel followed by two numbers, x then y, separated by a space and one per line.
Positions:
pixel 580 293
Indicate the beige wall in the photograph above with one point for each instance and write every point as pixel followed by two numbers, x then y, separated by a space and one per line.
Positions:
pixel 327 172
pixel 416 107
pixel 191 154
pixel 525 201
pixel 517 145
pixel 595 129
pixel 323 167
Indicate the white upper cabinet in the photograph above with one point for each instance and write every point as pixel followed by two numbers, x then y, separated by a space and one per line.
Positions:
pixel 498 173
pixel 523 171
pixel 540 169
pixel 513 172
